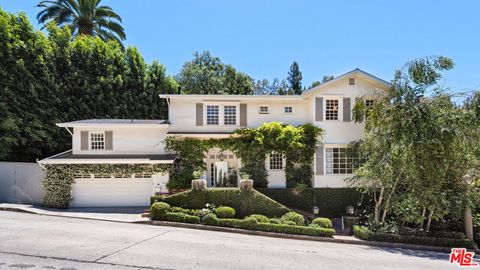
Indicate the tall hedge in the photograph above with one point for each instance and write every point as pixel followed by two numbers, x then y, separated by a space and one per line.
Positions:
pixel 244 202
pixel 50 78
pixel 332 202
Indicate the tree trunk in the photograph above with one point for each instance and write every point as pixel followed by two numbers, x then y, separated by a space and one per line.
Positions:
pixel 387 202
pixel 420 227
pixel 378 203
pixel 429 221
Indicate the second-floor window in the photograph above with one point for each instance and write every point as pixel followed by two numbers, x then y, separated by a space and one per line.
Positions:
pixel 97 141
pixel 331 110
pixel 212 115
pixel 288 109
pixel 230 115
pixel 263 110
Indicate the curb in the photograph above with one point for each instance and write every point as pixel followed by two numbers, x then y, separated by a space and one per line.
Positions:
pixel 300 237
pixel 250 232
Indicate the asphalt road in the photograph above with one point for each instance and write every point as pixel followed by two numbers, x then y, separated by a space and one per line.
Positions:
pixel 29 241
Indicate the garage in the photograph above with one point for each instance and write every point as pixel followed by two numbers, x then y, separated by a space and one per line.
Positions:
pixel 107 192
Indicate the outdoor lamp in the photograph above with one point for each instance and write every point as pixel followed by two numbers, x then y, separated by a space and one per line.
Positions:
pixel 316 210
pixel 350 210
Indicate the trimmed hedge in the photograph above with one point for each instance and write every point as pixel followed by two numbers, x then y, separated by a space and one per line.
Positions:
pixel 180 217
pixel 364 233
pixel 244 202
pixel 331 202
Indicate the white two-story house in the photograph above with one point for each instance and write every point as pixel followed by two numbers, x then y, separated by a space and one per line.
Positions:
pixel 328 106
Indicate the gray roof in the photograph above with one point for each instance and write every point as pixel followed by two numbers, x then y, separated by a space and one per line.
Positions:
pixel 114 122
pixel 70 155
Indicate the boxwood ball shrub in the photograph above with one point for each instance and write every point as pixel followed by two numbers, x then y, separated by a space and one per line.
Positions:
pixel 225 212
pixel 260 218
pixel 210 219
pixel 158 210
pixel 322 222
pixel 294 217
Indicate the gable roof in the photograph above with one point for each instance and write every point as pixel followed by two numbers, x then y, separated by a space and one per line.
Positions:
pixel 356 71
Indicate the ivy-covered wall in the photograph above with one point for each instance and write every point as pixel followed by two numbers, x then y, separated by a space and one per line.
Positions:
pixel 251 145
pixel 59 178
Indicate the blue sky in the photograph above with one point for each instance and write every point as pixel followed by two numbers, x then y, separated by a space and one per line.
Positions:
pixel 263 37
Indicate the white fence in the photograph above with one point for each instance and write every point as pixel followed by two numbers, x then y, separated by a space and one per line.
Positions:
pixel 21 182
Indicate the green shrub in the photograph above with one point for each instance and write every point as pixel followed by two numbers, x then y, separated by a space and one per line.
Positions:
pixel 260 218
pixel 288 222
pixel 180 217
pixel 225 212
pixel 331 202
pixel 244 202
pixel 303 230
pixel 364 233
pixel 248 223
pixel 193 212
pixel 210 219
pixel 274 221
pixel 322 222
pixel 295 217
pixel 158 210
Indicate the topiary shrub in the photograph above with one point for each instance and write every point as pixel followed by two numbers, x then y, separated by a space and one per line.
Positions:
pixel 322 222
pixel 159 210
pixel 260 218
pixel 294 217
pixel 210 219
pixel 225 212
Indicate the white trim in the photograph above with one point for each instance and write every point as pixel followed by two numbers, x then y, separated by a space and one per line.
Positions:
pixel 96 125
pixel 233 98
pixel 103 161
pixel 325 146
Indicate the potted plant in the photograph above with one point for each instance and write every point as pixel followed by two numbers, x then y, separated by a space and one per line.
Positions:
pixel 245 183
pixel 198 183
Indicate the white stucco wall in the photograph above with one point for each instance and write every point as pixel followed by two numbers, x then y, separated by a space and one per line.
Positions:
pixel 21 182
pixel 126 140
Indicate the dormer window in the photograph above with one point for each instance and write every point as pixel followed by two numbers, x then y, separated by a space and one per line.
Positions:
pixel 97 141
pixel 264 110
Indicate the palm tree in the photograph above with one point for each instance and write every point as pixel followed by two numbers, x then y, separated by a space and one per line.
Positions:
pixel 84 17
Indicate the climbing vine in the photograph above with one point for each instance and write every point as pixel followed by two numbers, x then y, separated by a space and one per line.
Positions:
pixel 251 145
pixel 59 178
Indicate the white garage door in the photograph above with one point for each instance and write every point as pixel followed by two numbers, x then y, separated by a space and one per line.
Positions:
pixel 100 192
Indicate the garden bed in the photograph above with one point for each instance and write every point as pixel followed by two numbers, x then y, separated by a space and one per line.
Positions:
pixel 289 223
pixel 365 233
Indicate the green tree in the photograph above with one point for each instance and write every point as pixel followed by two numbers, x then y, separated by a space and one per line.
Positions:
pixel 295 79
pixel 56 79
pixel 206 74
pixel 418 147
pixel 83 17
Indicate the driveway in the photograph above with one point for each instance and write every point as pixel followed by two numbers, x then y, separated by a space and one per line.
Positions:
pixel 44 242
pixel 124 214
